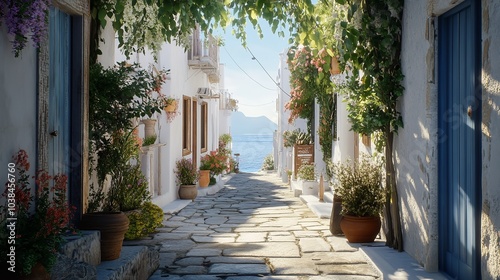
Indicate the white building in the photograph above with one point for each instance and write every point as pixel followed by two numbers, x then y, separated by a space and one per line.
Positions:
pixel 283 156
pixel 204 110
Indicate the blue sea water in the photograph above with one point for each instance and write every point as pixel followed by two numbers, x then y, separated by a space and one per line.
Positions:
pixel 252 149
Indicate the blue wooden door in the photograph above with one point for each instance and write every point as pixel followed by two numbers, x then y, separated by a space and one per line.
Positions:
pixel 59 91
pixel 459 141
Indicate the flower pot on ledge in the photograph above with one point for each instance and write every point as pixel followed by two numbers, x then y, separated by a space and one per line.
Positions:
pixel 149 127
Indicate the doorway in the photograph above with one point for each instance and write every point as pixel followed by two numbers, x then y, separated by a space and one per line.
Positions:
pixel 460 145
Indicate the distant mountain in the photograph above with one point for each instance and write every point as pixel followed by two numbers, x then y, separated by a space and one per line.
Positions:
pixel 241 124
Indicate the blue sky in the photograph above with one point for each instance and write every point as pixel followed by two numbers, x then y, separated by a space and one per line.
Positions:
pixel 255 99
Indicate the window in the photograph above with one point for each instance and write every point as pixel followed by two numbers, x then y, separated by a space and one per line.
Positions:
pixel 186 125
pixel 204 127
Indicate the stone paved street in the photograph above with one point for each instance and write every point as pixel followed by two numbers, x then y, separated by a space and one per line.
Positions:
pixel 254 229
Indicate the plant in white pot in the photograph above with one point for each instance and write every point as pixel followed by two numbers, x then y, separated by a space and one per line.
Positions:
pixel 360 186
pixel 307 176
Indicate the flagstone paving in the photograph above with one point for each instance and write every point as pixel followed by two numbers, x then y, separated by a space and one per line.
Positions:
pixel 253 229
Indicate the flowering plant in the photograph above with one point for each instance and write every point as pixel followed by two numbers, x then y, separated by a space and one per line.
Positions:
pixel 185 172
pixel 23 18
pixel 215 161
pixel 307 80
pixel 34 232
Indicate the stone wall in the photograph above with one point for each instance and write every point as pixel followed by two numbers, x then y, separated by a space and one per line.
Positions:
pixel 490 215
pixel 416 144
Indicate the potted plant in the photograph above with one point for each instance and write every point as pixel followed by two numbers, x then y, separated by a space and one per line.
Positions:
pixel 307 177
pixel 187 176
pixel 216 162
pixel 205 171
pixel 170 106
pixel 359 185
pixel 33 223
pixel 117 95
pixel 150 140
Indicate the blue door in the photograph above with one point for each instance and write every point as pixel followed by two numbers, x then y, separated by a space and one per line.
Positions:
pixel 459 141
pixel 65 125
pixel 59 91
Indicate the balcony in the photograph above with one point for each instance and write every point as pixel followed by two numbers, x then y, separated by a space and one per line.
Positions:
pixel 226 102
pixel 204 55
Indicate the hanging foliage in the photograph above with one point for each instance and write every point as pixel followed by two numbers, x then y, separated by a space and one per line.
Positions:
pixel 25 19
pixel 161 21
pixel 370 46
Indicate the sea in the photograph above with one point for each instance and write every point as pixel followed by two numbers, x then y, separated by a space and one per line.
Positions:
pixel 253 149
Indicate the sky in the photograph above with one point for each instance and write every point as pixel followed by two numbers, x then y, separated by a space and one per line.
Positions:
pixel 255 98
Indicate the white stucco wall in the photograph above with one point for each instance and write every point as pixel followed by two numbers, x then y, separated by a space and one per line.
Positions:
pixel 283 161
pixel 416 143
pixel 490 216
pixel 343 146
pixel 183 81
pixel 18 111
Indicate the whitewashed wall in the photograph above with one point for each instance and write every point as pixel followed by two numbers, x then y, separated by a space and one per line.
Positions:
pixel 283 161
pixel 18 111
pixel 416 143
pixel 183 81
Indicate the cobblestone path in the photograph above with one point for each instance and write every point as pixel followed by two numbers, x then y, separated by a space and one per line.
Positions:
pixel 254 229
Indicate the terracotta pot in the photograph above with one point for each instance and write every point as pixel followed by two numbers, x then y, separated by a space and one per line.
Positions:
pixel 112 226
pixel 204 178
pixel 38 272
pixel 334 66
pixel 360 229
pixel 335 217
pixel 170 107
pixel 188 192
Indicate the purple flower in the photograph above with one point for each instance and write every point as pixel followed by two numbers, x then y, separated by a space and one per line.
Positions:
pixel 25 18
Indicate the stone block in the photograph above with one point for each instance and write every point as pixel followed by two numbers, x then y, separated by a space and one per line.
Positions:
pixel 83 248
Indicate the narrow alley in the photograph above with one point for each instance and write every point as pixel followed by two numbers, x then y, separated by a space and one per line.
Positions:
pixel 254 228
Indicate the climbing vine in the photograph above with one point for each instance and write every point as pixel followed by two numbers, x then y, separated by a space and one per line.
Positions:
pixel 369 49
pixel 162 21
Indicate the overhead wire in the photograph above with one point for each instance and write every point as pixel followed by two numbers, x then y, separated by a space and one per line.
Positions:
pixel 278 85
pixel 230 56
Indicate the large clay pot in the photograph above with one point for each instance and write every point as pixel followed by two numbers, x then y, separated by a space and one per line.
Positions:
pixel 112 226
pixel 38 272
pixel 204 178
pixel 360 229
pixel 335 217
pixel 188 192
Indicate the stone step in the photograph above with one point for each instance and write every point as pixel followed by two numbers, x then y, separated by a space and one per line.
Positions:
pixel 135 262
pixel 322 209
pixel 80 258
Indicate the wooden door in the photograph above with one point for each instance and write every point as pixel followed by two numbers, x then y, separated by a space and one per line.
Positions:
pixel 459 146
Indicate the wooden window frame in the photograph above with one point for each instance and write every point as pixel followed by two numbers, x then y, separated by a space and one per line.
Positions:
pixel 204 127
pixel 186 125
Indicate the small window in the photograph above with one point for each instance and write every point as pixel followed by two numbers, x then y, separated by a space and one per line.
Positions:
pixel 186 125
pixel 204 127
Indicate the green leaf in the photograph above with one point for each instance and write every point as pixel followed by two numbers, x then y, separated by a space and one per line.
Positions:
pixel 101 16
pixel 330 52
